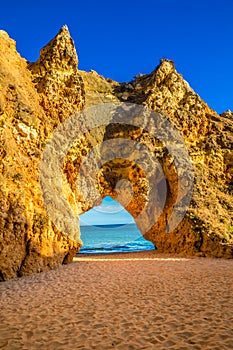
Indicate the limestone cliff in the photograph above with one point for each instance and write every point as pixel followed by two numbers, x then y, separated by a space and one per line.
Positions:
pixel 57 80
pixel 36 97
pixel 29 241
pixel 207 227
pixel 209 139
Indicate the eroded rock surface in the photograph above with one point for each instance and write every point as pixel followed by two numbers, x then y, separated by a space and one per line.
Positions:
pixel 36 97
pixel 207 227
pixel 29 241
pixel 209 140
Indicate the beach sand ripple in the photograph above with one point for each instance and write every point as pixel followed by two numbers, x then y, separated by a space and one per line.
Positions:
pixel 130 301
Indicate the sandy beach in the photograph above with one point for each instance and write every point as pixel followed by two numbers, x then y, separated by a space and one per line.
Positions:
pixel 121 301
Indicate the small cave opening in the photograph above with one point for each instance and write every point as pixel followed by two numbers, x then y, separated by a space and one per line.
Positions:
pixel 110 228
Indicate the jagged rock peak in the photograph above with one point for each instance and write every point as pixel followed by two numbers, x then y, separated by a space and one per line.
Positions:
pixel 227 114
pixel 65 29
pixel 56 77
pixel 60 52
pixel 166 64
pixel 165 69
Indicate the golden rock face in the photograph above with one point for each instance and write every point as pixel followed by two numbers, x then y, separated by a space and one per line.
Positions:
pixel 28 240
pixel 37 97
pixel 56 78
pixel 207 226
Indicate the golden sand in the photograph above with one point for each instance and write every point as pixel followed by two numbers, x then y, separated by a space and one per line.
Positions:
pixel 121 301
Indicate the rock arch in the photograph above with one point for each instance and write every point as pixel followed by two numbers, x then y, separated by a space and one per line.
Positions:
pixel 35 98
pixel 111 144
pixel 140 147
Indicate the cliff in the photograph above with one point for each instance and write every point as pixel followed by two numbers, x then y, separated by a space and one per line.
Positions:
pixel 37 97
pixel 207 227
pixel 29 242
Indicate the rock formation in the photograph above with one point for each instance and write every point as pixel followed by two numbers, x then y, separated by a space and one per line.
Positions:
pixel 207 227
pixel 36 97
pixel 29 242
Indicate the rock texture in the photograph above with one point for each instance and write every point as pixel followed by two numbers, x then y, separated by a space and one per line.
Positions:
pixel 209 140
pixel 56 78
pixel 207 228
pixel 29 242
pixel 36 97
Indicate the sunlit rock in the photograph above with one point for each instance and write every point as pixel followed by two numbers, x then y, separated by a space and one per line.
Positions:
pixel 37 97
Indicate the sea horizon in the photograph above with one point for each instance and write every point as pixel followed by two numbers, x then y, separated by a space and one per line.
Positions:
pixel 108 225
pixel 112 238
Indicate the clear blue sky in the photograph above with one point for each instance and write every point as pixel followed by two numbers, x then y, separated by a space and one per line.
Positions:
pixel 120 39
pixel 109 212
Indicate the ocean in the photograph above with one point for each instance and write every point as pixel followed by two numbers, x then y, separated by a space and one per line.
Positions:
pixel 112 239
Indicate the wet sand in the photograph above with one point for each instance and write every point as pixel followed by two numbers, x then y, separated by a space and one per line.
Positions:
pixel 121 301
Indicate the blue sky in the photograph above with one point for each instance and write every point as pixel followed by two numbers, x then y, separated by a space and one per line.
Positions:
pixel 120 39
pixel 108 212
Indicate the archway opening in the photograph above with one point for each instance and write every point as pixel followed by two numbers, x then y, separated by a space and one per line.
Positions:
pixel 109 228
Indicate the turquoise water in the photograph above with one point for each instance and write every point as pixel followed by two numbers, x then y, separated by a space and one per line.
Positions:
pixel 113 239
